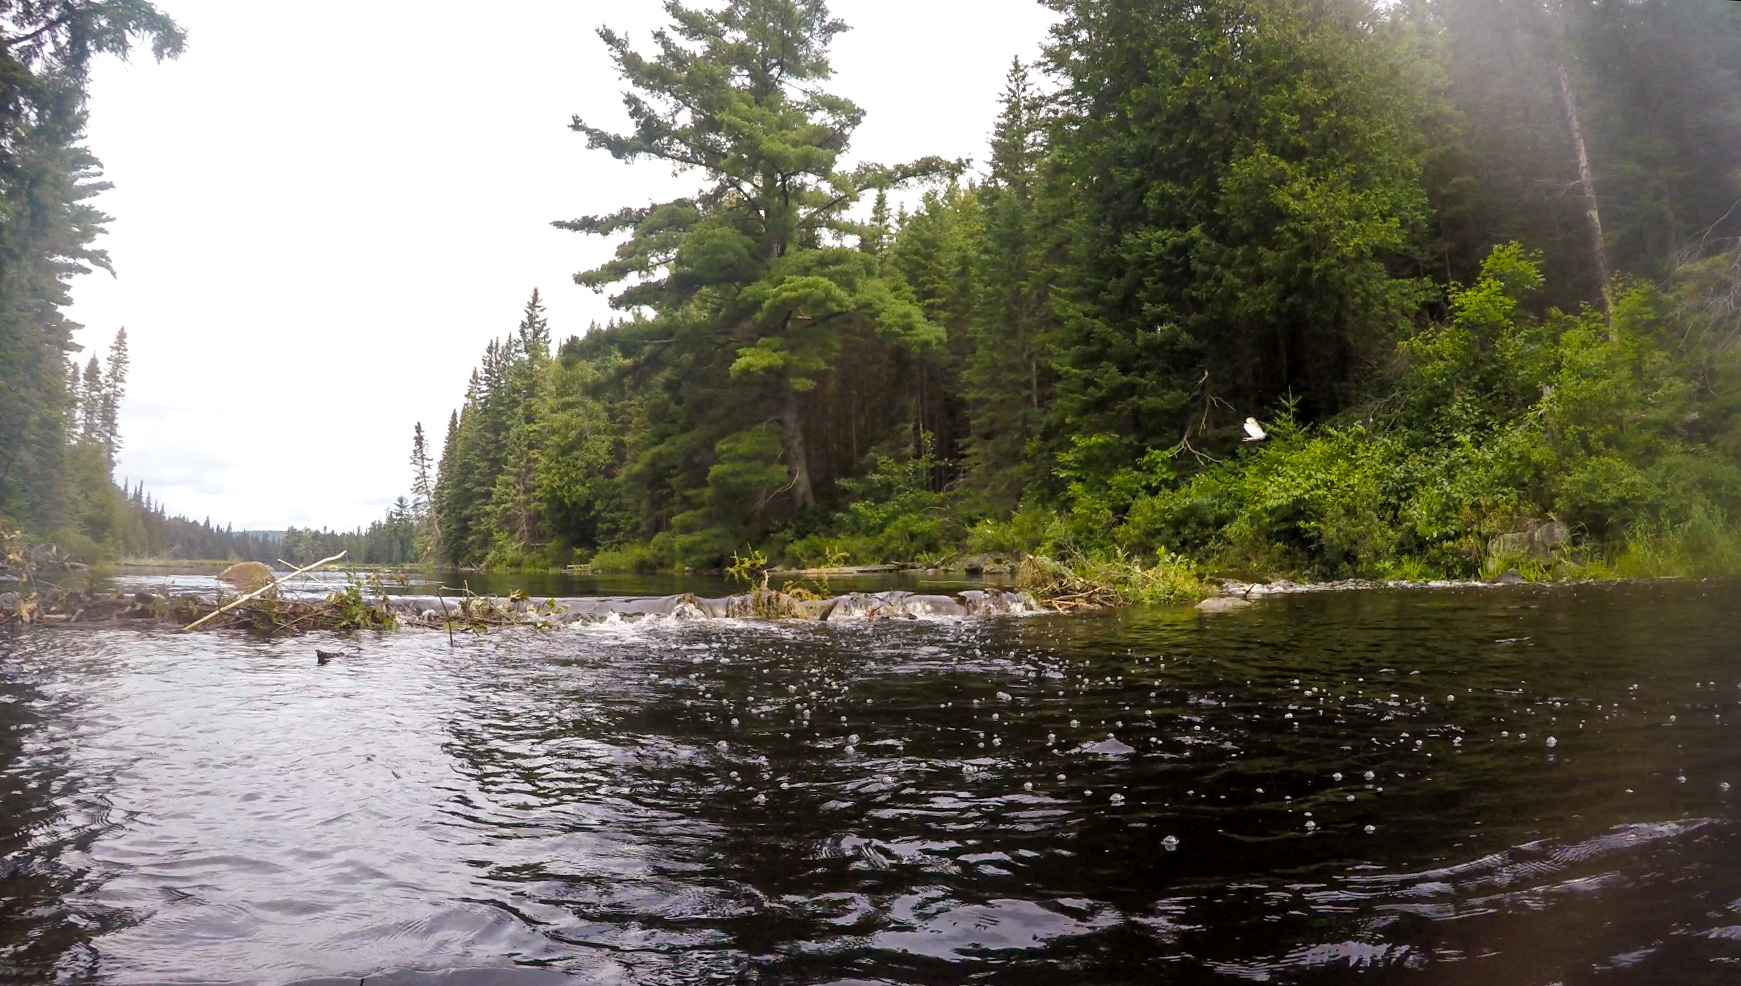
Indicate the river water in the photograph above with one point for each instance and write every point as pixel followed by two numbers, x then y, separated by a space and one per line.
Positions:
pixel 1492 786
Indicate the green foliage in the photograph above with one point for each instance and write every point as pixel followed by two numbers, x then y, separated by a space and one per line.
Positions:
pixel 1241 187
pixel 1504 420
pixel 349 609
pixel 892 515
pixel 1111 580
pixel 1341 218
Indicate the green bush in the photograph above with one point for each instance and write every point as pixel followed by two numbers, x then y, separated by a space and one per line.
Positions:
pixel 639 559
pixel 1496 420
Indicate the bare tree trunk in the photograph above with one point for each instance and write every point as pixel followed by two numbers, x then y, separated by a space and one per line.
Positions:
pixel 1587 180
pixel 797 462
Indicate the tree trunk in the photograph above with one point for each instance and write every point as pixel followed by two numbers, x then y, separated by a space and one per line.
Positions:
pixel 1586 180
pixel 797 463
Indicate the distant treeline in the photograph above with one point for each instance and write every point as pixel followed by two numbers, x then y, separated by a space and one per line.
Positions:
pixel 148 531
pixel 1470 262
pixel 392 540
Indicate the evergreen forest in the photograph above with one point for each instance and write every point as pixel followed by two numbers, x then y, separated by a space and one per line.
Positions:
pixel 1471 265
pixel 1319 288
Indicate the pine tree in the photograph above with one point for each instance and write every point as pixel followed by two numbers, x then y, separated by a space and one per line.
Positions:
pixel 743 269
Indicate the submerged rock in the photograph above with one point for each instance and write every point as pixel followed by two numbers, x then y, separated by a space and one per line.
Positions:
pixel 997 602
pixel 1221 604
pixel 1108 747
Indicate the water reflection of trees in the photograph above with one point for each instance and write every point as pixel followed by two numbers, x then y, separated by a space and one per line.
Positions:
pixel 50 818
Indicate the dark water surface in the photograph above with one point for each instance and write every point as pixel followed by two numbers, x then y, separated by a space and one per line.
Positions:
pixel 897 802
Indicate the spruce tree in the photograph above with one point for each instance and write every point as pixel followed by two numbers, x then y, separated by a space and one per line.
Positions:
pixel 1008 376
pixel 48 227
pixel 114 391
pixel 1244 199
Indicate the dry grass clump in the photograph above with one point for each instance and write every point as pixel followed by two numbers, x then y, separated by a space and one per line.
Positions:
pixel 246 576
pixel 1090 583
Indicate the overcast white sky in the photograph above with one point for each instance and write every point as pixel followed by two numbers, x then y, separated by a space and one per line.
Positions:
pixel 324 210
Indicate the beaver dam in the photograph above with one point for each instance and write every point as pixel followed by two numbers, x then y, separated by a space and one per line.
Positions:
pixel 350 609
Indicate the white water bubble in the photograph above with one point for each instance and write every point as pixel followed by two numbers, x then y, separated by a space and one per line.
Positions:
pixel 1310 825
pixel 1170 843
pixel 1371 829
pixel 1075 723
pixel 1027 785
pixel 1117 799
pixel 1724 786
pixel 1552 742
pixel 1060 778
pixel 734 722
pixel 1336 776
pixel 721 745
pixel 1370 775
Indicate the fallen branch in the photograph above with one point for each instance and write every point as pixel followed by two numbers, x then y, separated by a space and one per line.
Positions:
pixel 261 591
